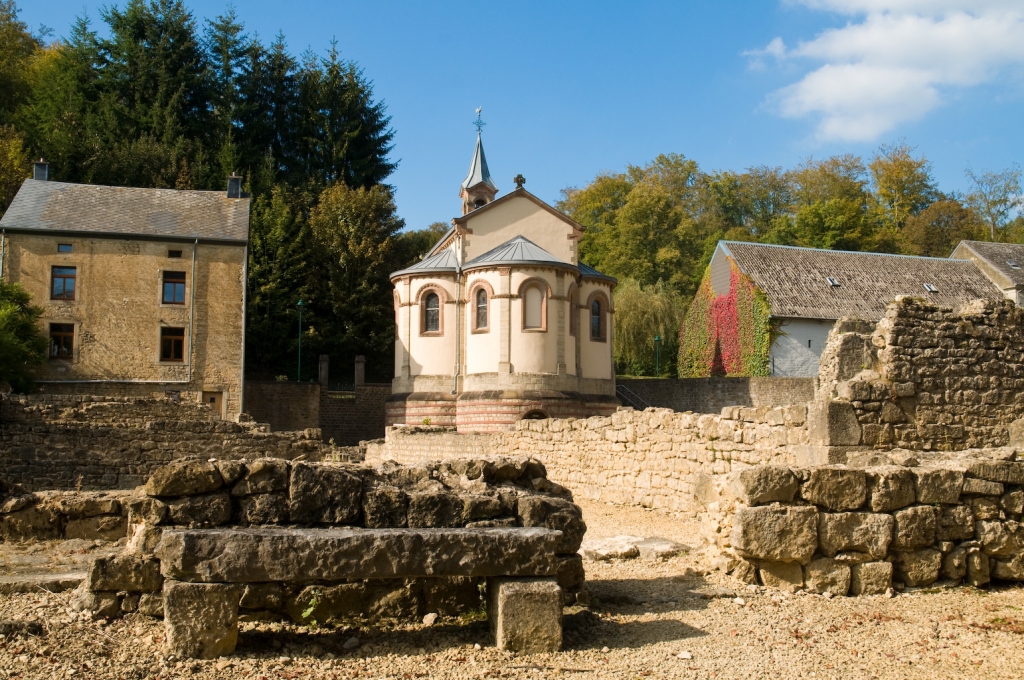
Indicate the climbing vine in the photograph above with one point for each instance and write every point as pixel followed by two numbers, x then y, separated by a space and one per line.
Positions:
pixel 727 335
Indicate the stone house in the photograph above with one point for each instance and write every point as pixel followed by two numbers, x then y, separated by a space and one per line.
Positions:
pixel 807 290
pixel 500 320
pixel 143 290
pixel 1000 262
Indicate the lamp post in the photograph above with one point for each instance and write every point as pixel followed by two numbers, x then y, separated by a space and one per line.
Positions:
pixel 657 356
pixel 299 305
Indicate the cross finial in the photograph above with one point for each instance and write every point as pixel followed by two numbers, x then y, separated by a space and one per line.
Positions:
pixel 479 123
pixel 519 180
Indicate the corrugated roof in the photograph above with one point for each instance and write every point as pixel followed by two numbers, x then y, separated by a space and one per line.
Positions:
pixel 444 261
pixel 478 171
pixel 89 208
pixel 519 250
pixel 999 256
pixel 796 280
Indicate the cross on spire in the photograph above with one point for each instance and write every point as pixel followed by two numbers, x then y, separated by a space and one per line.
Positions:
pixel 479 123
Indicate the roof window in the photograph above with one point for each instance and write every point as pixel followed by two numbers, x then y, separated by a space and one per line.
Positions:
pixel 930 288
pixel 1013 264
pixel 832 281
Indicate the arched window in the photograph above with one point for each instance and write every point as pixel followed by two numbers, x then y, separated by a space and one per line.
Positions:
pixel 596 321
pixel 533 308
pixel 432 311
pixel 481 309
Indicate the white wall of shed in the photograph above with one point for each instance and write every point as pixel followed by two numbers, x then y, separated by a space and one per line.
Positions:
pixel 790 355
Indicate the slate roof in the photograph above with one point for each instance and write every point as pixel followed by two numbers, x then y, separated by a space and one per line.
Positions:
pixel 519 250
pixel 478 171
pixel 60 207
pixel 795 280
pixel 444 261
pixel 591 273
pixel 998 256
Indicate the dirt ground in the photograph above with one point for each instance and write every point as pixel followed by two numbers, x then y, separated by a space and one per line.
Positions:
pixel 667 619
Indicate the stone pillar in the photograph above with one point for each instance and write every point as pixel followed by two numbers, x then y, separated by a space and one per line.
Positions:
pixel 405 332
pixel 525 614
pixel 201 619
pixel 360 371
pixel 505 313
pixel 325 363
pixel 563 303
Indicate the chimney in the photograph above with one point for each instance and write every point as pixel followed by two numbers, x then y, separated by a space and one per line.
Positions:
pixel 234 186
pixel 41 170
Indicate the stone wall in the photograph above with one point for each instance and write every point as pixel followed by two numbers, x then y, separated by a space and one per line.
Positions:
pixel 471 494
pixel 711 395
pixel 282 404
pixel 861 530
pixel 347 418
pixel 68 442
pixel 653 458
pixel 54 515
pixel 923 378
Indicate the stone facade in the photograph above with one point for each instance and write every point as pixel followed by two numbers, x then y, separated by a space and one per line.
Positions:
pixel 860 530
pixel 924 378
pixel 64 442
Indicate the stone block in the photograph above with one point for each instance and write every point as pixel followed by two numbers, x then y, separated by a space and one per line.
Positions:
pixel 324 494
pixel 825 575
pixel 835 488
pixel 656 548
pixel 105 528
pixel 890 487
pixel 1002 471
pixel 525 615
pixel 263 475
pixel 919 567
pixel 386 507
pixel 985 507
pixel 1012 503
pixel 213 510
pixel 978 568
pixel 292 554
pixel 812 455
pixel 101 604
pixel 832 423
pixel 936 485
pixel 553 513
pixel 129 573
pixel 746 572
pixel 611 548
pixel 870 578
pixel 981 487
pixel 435 509
pixel 999 539
pixel 143 509
pixel 764 484
pixel 954 564
pixel 230 470
pixel 36 523
pixel 200 619
pixel 263 508
pixel 152 604
pixel 476 507
pixel 185 477
pixel 955 523
pixel 864 532
pixel 788 576
pixel 915 527
pixel 776 533
pixel 85 504
pixel 1008 570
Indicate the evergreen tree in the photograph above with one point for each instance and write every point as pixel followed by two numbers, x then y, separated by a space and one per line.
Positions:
pixel 227 49
pixel 17 47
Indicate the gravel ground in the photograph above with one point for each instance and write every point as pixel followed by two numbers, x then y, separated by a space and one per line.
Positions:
pixel 665 619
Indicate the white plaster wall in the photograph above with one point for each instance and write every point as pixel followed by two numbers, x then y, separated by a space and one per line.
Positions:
pixel 790 355
pixel 432 355
pixel 534 351
pixel 595 357
pixel 483 350
pixel 518 217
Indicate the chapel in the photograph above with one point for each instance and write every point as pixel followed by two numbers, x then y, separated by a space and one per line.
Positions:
pixel 500 321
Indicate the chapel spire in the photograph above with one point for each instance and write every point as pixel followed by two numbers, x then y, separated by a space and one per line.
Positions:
pixel 478 189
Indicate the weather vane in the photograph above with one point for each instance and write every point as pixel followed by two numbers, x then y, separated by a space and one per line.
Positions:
pixel 479 123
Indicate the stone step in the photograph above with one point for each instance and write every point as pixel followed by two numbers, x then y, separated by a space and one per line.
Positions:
pixel 289 554
pixel 33 583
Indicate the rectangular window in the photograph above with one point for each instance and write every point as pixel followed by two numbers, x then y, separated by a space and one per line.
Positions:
pixel 173 253
pixel 174 288
pixel 62 283
pixel 63 247
pixel 62 340
pixel 172 344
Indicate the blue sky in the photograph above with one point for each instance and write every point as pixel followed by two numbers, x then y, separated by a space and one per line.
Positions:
pixel 571 89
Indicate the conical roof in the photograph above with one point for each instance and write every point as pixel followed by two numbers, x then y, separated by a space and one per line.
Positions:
pixel 444 261
pixel 478 171
pixel 519 250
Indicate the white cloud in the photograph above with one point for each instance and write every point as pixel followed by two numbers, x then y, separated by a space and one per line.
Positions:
pixel 895 61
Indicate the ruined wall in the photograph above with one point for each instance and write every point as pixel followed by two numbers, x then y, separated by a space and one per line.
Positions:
pixel 347 418
pixel 282 404
pixel 711 395
pixel 923 378
pixel 652 458
pixel 66 442
pixel 849 530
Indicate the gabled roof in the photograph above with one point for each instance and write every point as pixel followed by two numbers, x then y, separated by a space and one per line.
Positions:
pixel 520 193
pixel 478 171
pixel 61 207
pixel 796 279
pixel 998 256
pixel 444 261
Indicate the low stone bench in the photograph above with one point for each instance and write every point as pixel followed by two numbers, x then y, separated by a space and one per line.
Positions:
pixel 206 569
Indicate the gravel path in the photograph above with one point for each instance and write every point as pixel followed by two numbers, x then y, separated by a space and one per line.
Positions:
pixel 644 615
